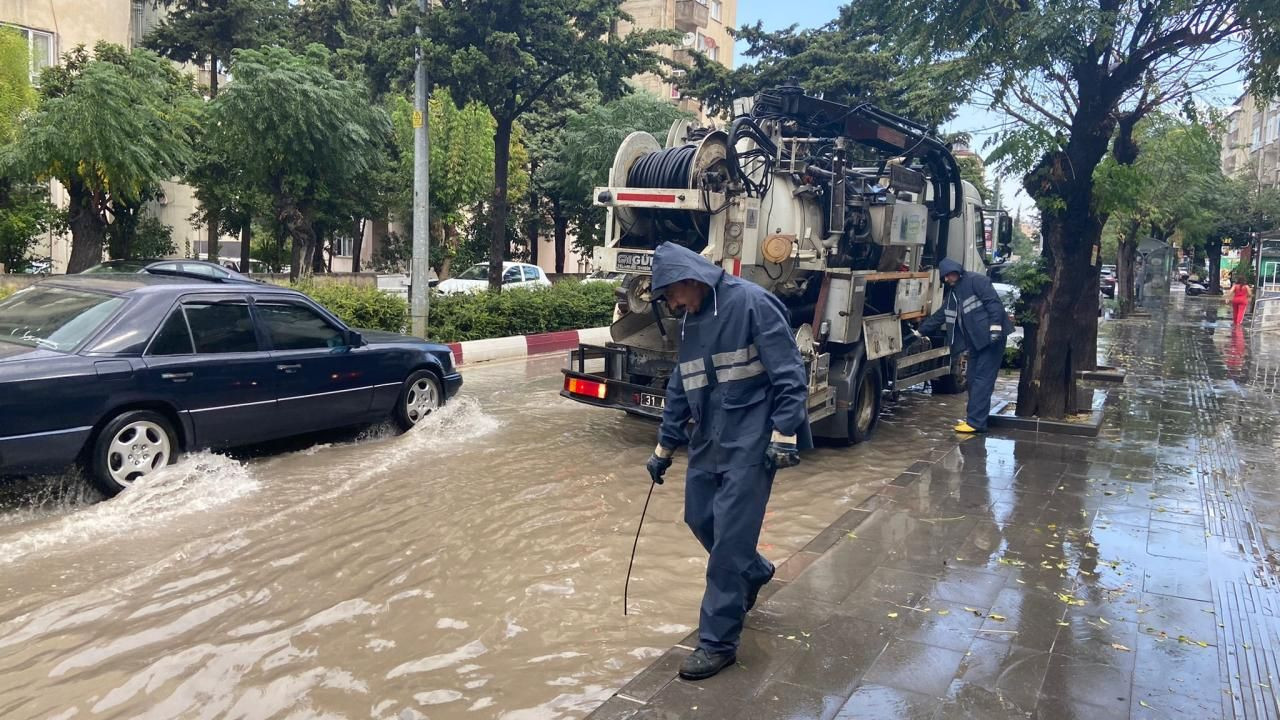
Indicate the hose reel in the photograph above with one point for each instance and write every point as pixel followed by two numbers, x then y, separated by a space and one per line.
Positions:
pixel 642 163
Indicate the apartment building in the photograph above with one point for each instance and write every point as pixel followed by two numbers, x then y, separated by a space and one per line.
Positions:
pixel 1252 141
pixel 705 24
pixel 53 27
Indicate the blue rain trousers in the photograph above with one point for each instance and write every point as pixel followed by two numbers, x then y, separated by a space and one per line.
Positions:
pixel 725 511
pixel 984 366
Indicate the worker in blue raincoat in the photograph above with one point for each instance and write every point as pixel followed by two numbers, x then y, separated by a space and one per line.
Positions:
pixel 974 320
pixel 738 399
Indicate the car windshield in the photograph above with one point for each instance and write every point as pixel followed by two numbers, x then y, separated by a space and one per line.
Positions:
pixel 117 266
pixel 53 317
pixel 479 271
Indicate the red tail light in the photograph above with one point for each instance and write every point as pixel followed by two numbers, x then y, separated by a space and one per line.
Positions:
pixel 589 388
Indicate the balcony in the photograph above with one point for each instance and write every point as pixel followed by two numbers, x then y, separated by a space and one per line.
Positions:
pixel 683 57
pixel 691 15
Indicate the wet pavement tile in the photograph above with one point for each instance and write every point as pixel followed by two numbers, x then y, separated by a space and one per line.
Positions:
pixel 885 584
pixel 833 576
pixel 834 659
pixel 1179 578
pixel 1081 680
pixel 970 702
pixel 1153 704
pixel 1093 638
pixel 1180 666
pixel 708 699
pixel 1010 672
pixel 886 703
pixel 1024 617
pixel 940 623
pixel 784 701
pixel 915 667
pixel 1056 709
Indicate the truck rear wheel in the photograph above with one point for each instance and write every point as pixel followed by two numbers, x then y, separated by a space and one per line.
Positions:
pixel 958 381
pixel 864 411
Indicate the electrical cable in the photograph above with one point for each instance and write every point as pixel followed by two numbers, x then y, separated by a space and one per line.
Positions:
pixel 627 586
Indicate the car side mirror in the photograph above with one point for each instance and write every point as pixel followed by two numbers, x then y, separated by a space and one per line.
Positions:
pixel 354 339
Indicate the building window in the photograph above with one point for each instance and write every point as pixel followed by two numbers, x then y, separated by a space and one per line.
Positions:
pixel 707 46
pixel 346 246
pixel 40 44
pixel 1257 138
pixel 717 7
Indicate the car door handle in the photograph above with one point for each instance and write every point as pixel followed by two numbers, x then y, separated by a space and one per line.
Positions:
pixel 177 377
pixel 289 368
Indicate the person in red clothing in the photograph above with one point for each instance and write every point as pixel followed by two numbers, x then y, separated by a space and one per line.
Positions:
pixel 1238 296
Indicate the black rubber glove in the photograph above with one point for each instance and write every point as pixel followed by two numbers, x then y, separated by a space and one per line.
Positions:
pixel 782 453
pixel 657 467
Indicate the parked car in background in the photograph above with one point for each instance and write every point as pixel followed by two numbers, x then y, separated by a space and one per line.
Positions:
pixel 1107 281
pixel 476 278
pixel 198 268
pixel 122 372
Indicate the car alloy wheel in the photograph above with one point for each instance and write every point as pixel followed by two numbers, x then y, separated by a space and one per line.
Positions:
pixel 137 449
pixel 421 399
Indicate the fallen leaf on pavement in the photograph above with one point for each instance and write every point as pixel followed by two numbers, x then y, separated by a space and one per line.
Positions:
pixel 1118 646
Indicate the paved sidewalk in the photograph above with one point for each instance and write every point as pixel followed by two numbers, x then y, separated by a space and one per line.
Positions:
pixel 1036 576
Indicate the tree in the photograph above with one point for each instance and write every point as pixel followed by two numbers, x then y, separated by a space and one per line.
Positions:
pixel 299 135
pixel 579 156
pixel 110 127
pixel 509 54
pixel 1172 184
pixel 25 211
pixel 1071 77
pixel 845 61
pixel 206 32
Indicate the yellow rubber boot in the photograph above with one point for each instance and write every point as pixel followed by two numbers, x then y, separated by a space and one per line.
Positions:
pixel 965 427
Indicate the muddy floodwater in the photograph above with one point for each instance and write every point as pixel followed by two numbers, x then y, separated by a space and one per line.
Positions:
pixel 471 569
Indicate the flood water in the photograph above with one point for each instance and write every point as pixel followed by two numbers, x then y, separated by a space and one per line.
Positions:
pixel 470 569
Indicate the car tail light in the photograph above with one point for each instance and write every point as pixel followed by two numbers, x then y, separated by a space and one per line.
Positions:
pixel 588 388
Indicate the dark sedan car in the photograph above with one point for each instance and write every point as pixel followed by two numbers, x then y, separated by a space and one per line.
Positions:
pixel 123 372
pixel 198 268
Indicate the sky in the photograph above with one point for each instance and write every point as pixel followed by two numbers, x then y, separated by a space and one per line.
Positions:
pixel 975 119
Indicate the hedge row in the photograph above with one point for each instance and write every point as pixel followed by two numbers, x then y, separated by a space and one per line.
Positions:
pixel 567 305
pixel 361 307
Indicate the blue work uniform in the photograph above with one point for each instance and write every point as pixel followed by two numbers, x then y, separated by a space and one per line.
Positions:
pixel 740 378
pixel 976 321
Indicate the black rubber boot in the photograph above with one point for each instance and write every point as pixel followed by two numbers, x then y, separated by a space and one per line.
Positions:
pixel 755 591
pixel 700 664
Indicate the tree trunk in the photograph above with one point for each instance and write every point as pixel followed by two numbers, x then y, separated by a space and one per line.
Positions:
pixel 531 226
pixel 1126 272
pixel 1214 250
pixel 498 216
pixel 212 213
pixel 1067 331
pixel 378 235
pixel 562 233
pixel 246 244
pixel 88 233
pixel 318 265
pixel 450 243
pixel 357 244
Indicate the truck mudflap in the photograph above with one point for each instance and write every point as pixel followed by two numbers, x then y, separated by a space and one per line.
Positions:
pixel 608 389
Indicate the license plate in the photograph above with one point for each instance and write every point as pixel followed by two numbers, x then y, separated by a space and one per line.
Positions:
pixel 657 402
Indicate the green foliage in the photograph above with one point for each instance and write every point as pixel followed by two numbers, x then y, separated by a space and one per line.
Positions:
pixel 845 60
pixel 142 236
pixel 25 215
pixel 578 156
pixel 1245 272
pixel 6 291
pixel 197 30
pixel 268 248
pixel 971 170
pixel 1012 355
pixel 1029 276
pixel 511 56
pixel 298 136
pixel 117 123
pixel 16 94
pixel 360 306
pixel 519 311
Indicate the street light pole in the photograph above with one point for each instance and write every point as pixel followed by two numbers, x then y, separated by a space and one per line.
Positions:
pixel 419 266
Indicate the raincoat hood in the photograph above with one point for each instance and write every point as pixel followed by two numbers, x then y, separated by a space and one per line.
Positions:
pixel 948 266
pixel 673 263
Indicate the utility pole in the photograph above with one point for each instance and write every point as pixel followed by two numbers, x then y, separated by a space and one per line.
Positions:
pixel 419 267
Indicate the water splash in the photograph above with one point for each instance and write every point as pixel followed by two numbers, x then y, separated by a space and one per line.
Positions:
pixel 195 484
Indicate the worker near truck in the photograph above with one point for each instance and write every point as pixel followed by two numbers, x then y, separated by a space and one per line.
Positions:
pixel 976 321
pixel 738 399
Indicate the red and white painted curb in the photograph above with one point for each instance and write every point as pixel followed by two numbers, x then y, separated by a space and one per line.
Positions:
pixel 518 346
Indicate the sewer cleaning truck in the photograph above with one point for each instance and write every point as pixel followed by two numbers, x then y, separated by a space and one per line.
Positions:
pixel 843 212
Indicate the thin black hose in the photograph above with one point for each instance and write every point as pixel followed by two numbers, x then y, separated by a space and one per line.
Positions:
pixel 627 587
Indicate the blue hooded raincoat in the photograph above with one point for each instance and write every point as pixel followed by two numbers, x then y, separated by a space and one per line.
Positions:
pixel 975 320
pixel 740 378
